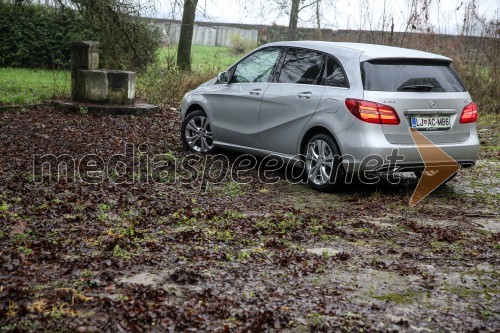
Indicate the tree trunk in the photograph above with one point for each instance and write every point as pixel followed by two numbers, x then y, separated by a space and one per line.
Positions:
pixel 294 19
pixel 186 36
pixel 318 20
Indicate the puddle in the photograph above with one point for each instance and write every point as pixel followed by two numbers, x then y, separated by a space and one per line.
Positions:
pixel 175 282
pixel 383 222
pixel 320 251
pixel 144 279
pixel 489 224
pixel 370 282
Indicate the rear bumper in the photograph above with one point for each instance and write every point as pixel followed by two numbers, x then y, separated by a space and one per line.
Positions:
pixel 416 167
pixel 370 151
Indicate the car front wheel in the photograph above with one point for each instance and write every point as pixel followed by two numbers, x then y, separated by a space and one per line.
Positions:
pixel 197 133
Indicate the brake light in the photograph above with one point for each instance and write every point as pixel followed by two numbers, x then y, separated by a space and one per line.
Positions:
pixel 372 112
pixel 469 114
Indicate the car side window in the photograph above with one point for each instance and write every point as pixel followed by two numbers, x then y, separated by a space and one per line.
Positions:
pixel 257 67
pixel 335 76
pixel 302 67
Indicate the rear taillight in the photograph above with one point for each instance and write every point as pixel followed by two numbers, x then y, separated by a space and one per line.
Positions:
pixel 469 114
pixel 372 112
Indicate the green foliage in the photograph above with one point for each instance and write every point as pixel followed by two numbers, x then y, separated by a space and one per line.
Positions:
pixel 119 252
pixel 164 84
pixel 161 83
pixel 36 36
pixel 400 298
pixel 39 37
pixel 204 58
pixel 242 45
pixel 481 80
pixel 24 251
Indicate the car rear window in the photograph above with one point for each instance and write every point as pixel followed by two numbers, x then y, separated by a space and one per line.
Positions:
pixel 410 75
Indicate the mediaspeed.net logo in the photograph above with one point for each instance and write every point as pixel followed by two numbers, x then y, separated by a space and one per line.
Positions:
pixel 138 165
pixel 439 166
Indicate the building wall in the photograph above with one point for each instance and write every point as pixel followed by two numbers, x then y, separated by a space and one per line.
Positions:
pixel 454 46
pixel 206 35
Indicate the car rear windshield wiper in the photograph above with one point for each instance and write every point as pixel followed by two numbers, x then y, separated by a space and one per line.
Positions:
pixel 421 87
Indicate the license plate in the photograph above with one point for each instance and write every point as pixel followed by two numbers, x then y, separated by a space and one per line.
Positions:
pixel 430 122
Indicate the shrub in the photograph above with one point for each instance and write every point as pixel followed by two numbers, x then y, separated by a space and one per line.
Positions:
pixel 165 84
pixel 482 83
pixel 39 37
pixel 241 45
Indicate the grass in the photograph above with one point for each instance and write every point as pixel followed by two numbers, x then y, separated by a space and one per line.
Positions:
pixel 204 58
pixel 489 134
pixel 24 85
pixel 399 298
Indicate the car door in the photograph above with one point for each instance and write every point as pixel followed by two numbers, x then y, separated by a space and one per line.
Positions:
pixel 291 99
pixel 236 105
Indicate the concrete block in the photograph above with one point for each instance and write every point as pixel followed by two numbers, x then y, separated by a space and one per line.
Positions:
pixel 92 86
pixel 121 87
pixel 84 55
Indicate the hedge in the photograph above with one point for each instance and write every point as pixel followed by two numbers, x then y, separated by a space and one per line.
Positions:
pixel 39 37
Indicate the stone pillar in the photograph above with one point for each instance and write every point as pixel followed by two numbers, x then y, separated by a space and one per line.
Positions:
pixel 84 55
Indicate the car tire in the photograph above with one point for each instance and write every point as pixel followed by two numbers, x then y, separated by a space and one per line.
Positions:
pixel 322 163
pixel 197 134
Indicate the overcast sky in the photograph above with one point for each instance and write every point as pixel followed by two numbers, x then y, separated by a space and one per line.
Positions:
pixel 445 16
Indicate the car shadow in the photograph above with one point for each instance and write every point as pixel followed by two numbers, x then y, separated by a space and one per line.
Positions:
pixel 404 182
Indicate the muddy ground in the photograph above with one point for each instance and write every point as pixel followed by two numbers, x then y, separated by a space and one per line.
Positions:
pixel 191 256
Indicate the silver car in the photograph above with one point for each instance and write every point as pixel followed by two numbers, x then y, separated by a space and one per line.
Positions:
pixel 335 107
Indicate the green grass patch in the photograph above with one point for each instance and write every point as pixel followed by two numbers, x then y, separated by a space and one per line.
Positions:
pixel 489 134
pixel 24 86
pixel 399 298
pixel 204 58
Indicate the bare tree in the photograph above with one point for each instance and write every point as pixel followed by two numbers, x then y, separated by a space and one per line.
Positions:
pixel 318 19
pixel 294 19
pixel 126 40
pixel 295 9
pixel 418 19
pixel 186 36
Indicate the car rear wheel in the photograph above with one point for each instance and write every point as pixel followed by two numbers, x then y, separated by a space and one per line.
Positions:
pixel 322 163
pixel 197 133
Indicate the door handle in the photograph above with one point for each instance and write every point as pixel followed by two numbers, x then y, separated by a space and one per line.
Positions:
pixel 255 92
pixel 305 95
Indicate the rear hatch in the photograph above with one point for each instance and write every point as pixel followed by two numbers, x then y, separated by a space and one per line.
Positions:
pixel 427 94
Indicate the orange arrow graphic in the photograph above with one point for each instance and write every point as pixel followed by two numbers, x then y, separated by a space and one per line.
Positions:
pixel 439 166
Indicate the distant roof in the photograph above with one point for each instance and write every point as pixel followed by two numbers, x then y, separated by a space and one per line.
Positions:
pixel 370 51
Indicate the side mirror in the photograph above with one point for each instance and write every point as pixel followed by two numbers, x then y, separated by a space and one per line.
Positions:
pixel 223 77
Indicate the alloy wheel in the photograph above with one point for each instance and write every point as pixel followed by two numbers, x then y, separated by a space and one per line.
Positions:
pixel 319 162
pixel 198 134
